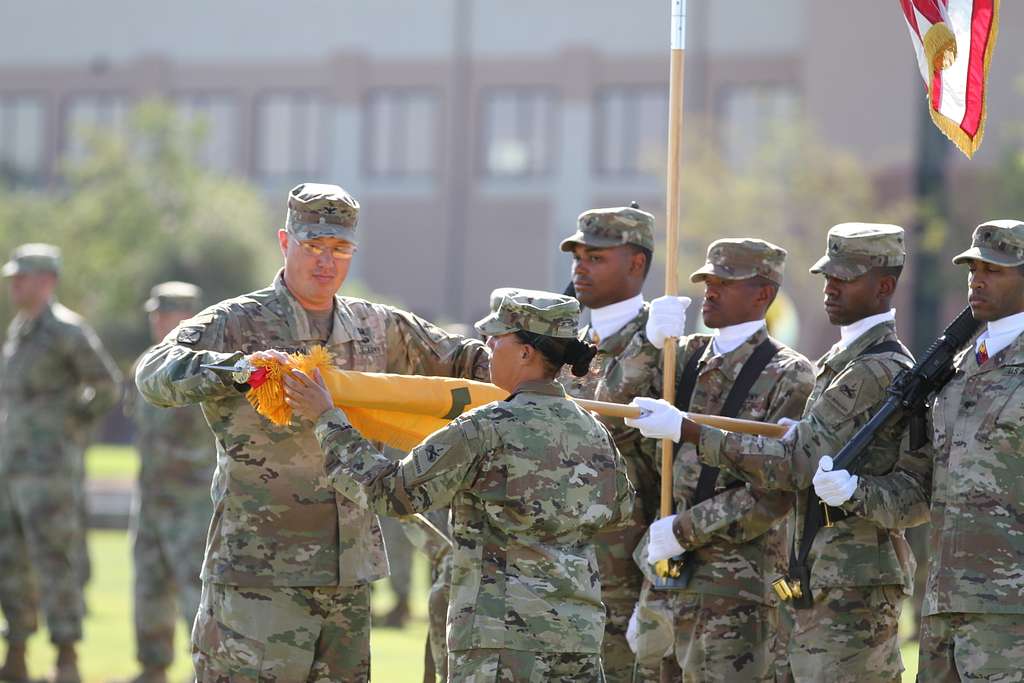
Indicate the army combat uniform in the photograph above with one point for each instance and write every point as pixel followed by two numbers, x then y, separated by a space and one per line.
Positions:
pixel 725 620
pixel 530 480
pixel 972 476
pixel 860 571
pixel 612 378
pixel 172 507
pixel 57 381
pixel 288 559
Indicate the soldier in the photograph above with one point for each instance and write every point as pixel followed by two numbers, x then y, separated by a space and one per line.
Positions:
pixel 57 382
pixel 972 475
pixel 612 251
pixel 172 507
pixel 288 560
pixel 859 571
pixel 530 480
pixel 726 619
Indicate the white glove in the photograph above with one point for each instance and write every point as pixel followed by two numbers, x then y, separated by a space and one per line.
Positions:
pixel 667 318
pixel 658 419
pixel 835 488
pixel 791 424
pixel 662 543
pixel 632 631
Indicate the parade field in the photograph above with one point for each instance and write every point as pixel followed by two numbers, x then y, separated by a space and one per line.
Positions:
pixel 107 652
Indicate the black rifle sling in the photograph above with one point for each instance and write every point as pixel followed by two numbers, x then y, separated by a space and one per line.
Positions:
pixel 738 394
pixel 813 517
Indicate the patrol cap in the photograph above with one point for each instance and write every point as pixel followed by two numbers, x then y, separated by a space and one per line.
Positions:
pixel 173 296
pixel 318 210
pixel 499 294
pixel 602 228
pixel 855 248
pixel 34 257
pixel 739 259
pixel 546 313
pixel 1000 242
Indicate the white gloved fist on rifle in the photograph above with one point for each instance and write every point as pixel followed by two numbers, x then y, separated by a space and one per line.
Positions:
pixel 658 419
pixel 662 543
pixel 667 318
pixel 833 487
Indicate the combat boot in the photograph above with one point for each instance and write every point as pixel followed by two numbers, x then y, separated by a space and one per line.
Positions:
pixel 67 665
pixel 15 669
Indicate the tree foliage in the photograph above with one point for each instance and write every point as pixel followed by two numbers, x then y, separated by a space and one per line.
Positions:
pixel 135 210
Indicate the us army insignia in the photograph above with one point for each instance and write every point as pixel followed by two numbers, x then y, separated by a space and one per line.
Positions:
pixel 189 335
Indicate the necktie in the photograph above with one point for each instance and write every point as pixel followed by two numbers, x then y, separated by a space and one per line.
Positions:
pixel 981 354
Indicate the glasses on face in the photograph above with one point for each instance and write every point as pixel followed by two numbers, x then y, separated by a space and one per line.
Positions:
pixel 338 252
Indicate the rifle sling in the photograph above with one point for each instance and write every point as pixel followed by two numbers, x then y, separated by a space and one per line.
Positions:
pixel 813 514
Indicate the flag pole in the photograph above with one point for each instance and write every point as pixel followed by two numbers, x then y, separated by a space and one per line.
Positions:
pixel 675 134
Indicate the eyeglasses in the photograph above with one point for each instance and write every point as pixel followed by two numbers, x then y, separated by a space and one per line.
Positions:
pixel 339 252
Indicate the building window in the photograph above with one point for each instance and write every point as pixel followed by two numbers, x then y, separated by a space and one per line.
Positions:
pixel 290 129
pixel 216 116
pixel 747 116
pixel 21 137
pixel 401 132
pixel 85 115
pixel 518 131
pixel 631 130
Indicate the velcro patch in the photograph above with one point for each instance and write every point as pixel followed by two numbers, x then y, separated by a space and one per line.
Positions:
pixel 189 335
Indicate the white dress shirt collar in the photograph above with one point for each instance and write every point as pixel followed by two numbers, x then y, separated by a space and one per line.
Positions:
pixel 608 320
pixel 729 338
pixel 849 333
pixel 1000 333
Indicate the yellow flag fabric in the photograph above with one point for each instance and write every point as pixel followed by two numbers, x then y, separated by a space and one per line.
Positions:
pixel 398 410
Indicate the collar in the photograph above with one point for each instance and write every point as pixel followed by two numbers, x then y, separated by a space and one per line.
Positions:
pixel 849 333
pixel 838 357
pixel 608 320
pixel 731 362
pixel 1001 333
pixel 539 386
pixel 730 337
pixel 25 325
pixel 298 320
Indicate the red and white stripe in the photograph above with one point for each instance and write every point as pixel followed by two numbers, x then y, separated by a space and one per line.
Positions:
pixel 958 92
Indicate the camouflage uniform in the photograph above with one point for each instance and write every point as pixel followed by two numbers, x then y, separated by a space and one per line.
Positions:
pixel 288 559
pixel 57 382
pixel 972 477
pixel 621 371
pixel 726 624
pixel 860 571
pixel 172 508
pixel 525 593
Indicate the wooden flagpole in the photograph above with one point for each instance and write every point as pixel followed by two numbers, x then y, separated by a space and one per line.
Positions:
pixel 675 135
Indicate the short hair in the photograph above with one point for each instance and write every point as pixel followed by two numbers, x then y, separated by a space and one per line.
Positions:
pixel 648 257
pixel 892 271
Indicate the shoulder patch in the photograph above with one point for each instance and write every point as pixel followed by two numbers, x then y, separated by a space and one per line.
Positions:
pixel 191 331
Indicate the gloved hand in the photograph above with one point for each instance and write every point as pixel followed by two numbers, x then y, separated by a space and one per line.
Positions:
pixel 663 544
pixel 791 424
pixel 659 418
pixel 667 318
pixel 632 630
pixel 835 488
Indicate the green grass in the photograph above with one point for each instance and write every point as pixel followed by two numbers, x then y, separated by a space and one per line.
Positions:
pixel 108 651
pixel 110 461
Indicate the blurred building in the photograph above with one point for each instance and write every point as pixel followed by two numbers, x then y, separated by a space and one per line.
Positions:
pixel 472 131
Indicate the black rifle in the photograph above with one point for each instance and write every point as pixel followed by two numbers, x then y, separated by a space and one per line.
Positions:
pixel 909 394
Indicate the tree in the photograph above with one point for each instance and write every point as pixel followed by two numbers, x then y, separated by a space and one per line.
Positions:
pixel 136 210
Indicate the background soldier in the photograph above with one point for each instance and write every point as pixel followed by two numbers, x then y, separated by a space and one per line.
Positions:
pixel 530 480
pixel 726 620
pixel 972 474
pixel 859 571
pixel 288 560
pixel 612 251
pixel 172 507
pixel 57 382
